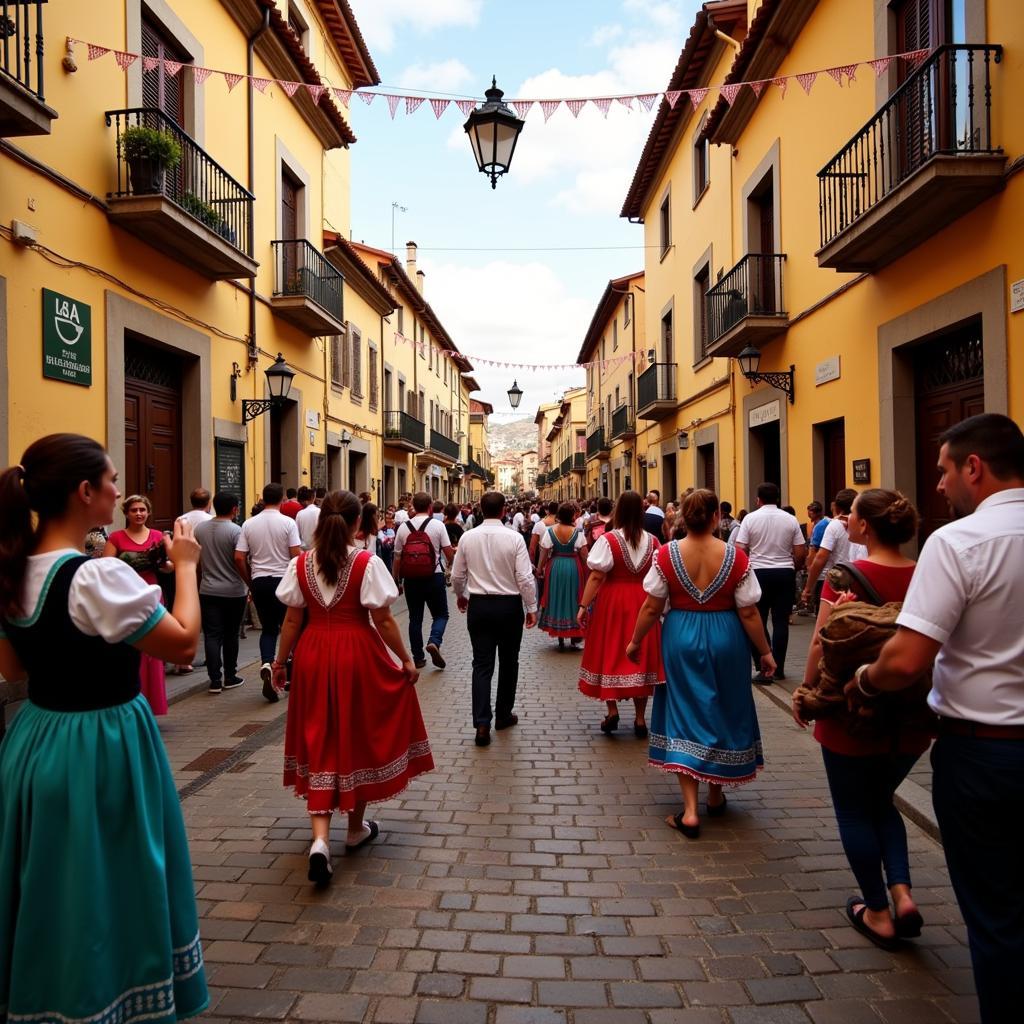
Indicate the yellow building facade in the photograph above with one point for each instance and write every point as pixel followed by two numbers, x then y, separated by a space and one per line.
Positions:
pixel 563 447
pixel 478 465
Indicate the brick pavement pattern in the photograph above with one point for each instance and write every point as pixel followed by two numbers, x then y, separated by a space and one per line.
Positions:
pixel 534 881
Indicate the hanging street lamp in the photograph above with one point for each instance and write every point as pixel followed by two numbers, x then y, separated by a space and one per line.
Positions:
pixel 493 131
pixel 750 359
pixel 279 383
pixel 515 395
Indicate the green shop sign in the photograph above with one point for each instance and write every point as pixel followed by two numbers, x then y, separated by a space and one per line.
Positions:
pixel 67 339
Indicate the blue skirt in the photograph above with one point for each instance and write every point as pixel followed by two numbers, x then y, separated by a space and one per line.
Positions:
pixel 97 903
pixel 703 722
pixel 562 593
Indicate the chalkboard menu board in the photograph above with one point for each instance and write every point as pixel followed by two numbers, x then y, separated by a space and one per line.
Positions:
pixel 229 457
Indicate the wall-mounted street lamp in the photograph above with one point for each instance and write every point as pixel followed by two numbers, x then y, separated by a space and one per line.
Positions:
pixel 684 440
pixel 515 395
pixel 750 359
pixel 493 131
pixel 279 382
pixel 345 439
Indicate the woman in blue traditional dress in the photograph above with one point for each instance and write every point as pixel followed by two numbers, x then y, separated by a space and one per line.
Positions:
pixel 97 908
pixel 563 553
pixel 703 723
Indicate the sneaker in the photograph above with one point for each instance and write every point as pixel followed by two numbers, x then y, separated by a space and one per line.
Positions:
pixel 267 675
pixel 230 684
pixel 435 655
pixel 320 869
pixel 763 680
pixel 216 687
pixel 420 662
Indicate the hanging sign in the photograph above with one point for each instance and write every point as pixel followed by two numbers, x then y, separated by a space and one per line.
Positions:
pixel 67 339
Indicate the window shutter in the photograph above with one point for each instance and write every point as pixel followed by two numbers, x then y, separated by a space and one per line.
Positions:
pixel 357 364
pixel 151 79
pixel 372 369
pixel 346 359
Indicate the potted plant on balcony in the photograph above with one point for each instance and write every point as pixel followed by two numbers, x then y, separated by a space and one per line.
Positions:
pixel 208 215
pixel 149 153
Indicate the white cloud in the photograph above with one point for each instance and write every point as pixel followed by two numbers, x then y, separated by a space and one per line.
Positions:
pixel 604 34
pixel 381 20
pixel 443 76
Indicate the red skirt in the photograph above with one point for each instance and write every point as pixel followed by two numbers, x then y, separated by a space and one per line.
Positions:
pixel 354 730
pixel 605 671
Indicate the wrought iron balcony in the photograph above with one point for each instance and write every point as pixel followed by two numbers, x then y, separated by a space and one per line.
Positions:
pixel 194 211
pixel 579 462
pixel 623 423
pixel 656 392
pixel 402 430
pixel 597 447
pixel 307 288
pixel 566 466
pixel 473 468
pixel 541 480
pixel 23 109
pixel 555 474
pixel 443 447
pixel 923 160
pixel 746 306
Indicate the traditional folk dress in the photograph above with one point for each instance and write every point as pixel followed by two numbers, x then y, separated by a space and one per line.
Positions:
pixel 563 585
pixel 97 907
pixel 703 721
pixel 354 730
pixel 606 673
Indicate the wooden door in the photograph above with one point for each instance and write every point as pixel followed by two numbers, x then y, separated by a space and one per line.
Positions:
pixel 706 454
pixel 290 231
pixel 762 301
pixel 833 437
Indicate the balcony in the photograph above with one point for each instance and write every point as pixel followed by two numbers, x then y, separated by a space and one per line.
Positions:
pixel 597 447
pixel 402 430
pixel 746 306
pixel 541 480
pixel 473 468
pixel 195 212
pixel 307 289
pixel 443 448
pixel 656 392
pixel 554 475
pixel 579 462
pixel 566 467
pixel 623 423
pixel 23 110
pixel 925 159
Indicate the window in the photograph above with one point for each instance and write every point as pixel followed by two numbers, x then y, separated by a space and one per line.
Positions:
pixel 298 25
pixel 159 89
pixel 627 304
pixel 430 357
pixel 372 373
pixel 615 334
pixel 357 363
pixel 665 225
pixel 400 329
pixel 346 359
pixel 337 360
pixel 667 349
pixel 701 162
pixel 701 284
pixel 418 328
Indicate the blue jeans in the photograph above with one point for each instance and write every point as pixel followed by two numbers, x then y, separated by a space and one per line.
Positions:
pixel 432 593
pixel 870 827
pixel 978 793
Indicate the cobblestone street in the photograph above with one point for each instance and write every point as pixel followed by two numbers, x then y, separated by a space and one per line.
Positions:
pixel 535 880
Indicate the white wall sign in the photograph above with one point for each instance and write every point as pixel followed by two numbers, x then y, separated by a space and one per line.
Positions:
pixel 312 419
pixel 826 370
pixel 763 414
pixel 1017 296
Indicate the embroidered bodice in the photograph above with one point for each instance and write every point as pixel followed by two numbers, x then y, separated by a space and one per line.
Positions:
pixel 563 549
pixel 624 568
pixel 344 604
pixel 718 595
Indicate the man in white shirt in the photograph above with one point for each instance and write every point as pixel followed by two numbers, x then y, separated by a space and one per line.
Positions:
pixel 777 548
pixel 835 545
pixel 426 591
pixel 267 543
pixel 654 517
pixel 307 517
pixel 401 515
pixel 493 581
pixel 965 611
pixel 199 499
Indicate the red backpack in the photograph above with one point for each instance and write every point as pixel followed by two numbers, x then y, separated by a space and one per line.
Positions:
pixel 419 560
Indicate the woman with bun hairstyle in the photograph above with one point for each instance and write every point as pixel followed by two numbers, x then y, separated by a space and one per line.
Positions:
pixel 703 723
pixel 354 734
pixel 864 773
pixel 563 554
pixel 97 906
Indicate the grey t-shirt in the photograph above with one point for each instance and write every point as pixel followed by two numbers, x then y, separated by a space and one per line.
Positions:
pixel 217 560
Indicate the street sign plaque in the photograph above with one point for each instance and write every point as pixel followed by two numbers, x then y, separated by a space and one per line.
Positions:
pixel 67 339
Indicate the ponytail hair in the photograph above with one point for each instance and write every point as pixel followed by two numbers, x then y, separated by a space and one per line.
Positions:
pixel 333 534
pixel 50 471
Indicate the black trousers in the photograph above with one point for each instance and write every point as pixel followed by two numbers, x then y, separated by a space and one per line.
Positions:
pixel 777 586
pixel 222 619
pixel 271 613
pixel 495 629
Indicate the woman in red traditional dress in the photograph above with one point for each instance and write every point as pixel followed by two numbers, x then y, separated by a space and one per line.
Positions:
pixel 618 563
pixel 355 734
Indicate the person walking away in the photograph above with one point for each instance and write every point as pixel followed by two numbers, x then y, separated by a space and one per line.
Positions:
pixel 494 585
pixel 367 527
pixel 612 598
pixel 306 518
pixel 354 733
pixel 864 768
pixel 727 521
pixel 97 898
pixel 703 722
pixel 776 548
pixel 540 527
pixel 199 511
pixel 386 541
pixel 222 592
pixel 736 524
pixel 291 506
pixel 654 516
pixel 965 610
pixel 601 522
pixel 266 543
pixel 817 523
pixel 419 570
pixel 563 553
pixel 437 510
pixel 834 544
pixel 402 513
pixel 145 551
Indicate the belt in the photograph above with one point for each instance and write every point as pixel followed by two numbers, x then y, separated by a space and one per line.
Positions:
pixel 494 597
pixel 981 730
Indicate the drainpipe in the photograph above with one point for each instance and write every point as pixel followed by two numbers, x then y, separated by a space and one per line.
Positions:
pixel 251 174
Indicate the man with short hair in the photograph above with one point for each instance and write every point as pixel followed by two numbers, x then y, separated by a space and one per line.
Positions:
pixel 654 517
pixel 726 520
pixel 199 500
pixel 290 506
pixel 222 593
pixel 776 547
pixel 437 509
pixel 266 544
pixel 493 582
pixel 965 611
pixel 319 494
pixel 429 590
pixel 833 543
pixel 307 518
pixel 817 523
pixel 401 513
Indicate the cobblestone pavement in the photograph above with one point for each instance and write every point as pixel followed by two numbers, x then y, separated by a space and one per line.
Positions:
pixel 534 880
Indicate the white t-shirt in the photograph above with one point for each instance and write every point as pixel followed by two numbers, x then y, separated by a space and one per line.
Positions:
pixel 837 543
pixel 518 520
pixel 435 531
pixel 377 590
pixel 306 520
pixel 401 516
pixel 268 538
pixel 196 516
pixel 534 518
pixel 600 555
pixel 538 529
pixel 547 543
pixel 770 535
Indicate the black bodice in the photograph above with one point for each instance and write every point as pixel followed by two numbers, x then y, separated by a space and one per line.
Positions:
pixel 67 670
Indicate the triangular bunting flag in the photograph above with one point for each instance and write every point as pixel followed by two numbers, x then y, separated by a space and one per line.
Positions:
pixel 172 67
pixel 673 98
pixel 290 88
pixel 231 79
pixel 315 92
pixel 466 106
pixel 915 57
pixel 647 99
pixel 782 84
pixel 150 63
pixel 806 80
pixel 697 97
pixel 604 104
pixel 200 75
pixel 367 97
pixel 259 84
pixel 96 52
pixel 575 106
pixel 393 101
pixel 850 70
pixel 836 74
pixel 729 92
pixel 412 103
pixel 881 65
pixel 521 108
pixel 758 87
pixel 125 60
pixel 343 96
pixel 440 106
pixel 549 107
pixel 626 101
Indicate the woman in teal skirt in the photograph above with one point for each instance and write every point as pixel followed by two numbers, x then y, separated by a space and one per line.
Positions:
pixel 563 556
pixel 97 909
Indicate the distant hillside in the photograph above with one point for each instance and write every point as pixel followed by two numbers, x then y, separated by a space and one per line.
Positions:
pixel 518 435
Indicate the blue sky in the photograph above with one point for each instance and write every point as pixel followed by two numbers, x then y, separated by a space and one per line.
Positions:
pixel 567 181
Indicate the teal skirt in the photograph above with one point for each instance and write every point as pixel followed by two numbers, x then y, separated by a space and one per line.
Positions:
pixel 97 906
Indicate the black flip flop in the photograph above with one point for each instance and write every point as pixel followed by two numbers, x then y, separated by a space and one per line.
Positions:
pixel 717 810
pixel 690 831
pixel 858 923
pixel 374 832
pixel 908 926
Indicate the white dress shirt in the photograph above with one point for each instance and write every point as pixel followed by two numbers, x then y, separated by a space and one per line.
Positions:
pixel 492 561
pixel 769 535
pixel 968 594
pixel 306 521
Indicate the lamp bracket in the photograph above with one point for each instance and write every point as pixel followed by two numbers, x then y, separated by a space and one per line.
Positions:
pixel 253 407
pixel 780 379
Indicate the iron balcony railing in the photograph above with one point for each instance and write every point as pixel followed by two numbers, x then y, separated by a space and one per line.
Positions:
pixel 943 108
pixel 554 474
pixel 21 40
pixel 443 445
pixel 541 479
pixel 752 288
pixel 402 426
pixel 566 466
pixel 579 462
pixel 301 269
pixel 596 443
pixel 656 384
pixel 622 421
pixel 197 184
pixel 475 469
